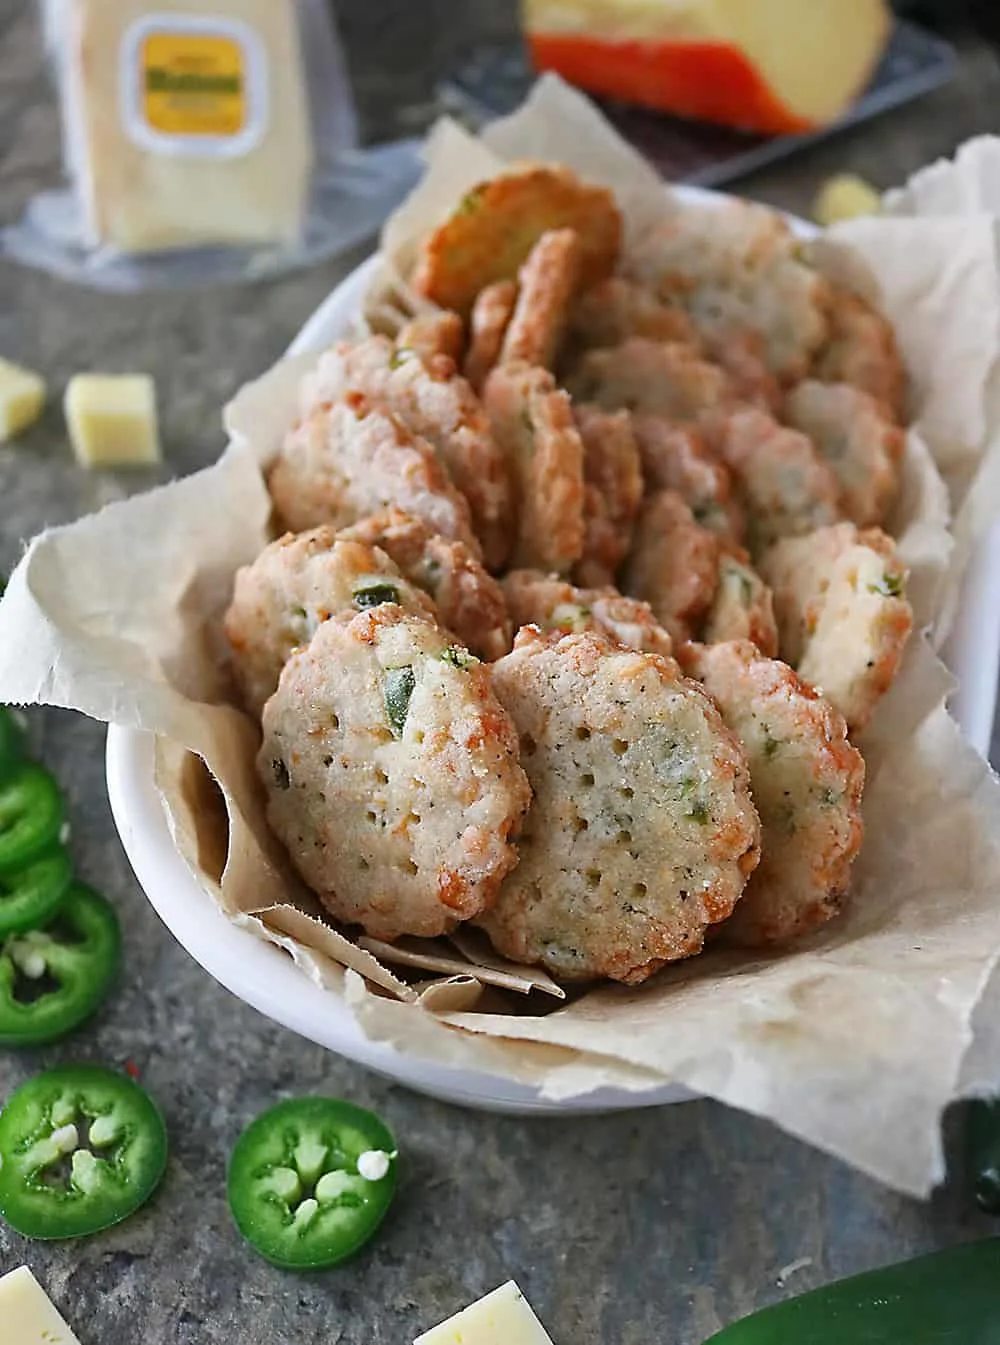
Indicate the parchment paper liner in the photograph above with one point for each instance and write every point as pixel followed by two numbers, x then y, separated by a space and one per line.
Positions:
pixel 433 955
pixel 854 1042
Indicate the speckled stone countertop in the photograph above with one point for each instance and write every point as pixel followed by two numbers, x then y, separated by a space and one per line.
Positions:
pixel 651 1226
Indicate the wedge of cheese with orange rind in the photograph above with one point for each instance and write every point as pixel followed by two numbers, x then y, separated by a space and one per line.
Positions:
pixel 777 67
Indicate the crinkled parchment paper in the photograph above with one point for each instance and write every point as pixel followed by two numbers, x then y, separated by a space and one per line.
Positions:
pixel 855 1041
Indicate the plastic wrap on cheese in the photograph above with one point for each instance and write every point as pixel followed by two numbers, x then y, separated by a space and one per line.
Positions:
pixel 204 141
pixel 190 123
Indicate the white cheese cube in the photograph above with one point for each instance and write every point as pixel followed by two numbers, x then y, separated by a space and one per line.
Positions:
pixel 112 419
pixel 27 1314
pixel 503 1317
pixel 22 396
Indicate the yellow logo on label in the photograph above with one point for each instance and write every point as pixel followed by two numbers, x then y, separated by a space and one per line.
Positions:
pixel 193 84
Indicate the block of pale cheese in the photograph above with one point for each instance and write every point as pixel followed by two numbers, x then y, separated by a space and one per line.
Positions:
pixel 22 396
pixel 774 66
pixel 187 121
pixel 111 419
pixel 27 1314
pixel 503 1317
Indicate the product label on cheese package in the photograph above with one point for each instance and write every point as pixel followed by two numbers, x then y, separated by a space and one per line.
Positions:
pixel 193 85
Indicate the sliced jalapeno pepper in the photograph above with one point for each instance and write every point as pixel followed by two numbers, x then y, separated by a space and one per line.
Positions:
pixel 982 1137
pixel 399 685
pixel 31 817
pixel 311 1180
pixel 81 1148
pixel 374 592
pixel 947 1298
pixel 32 895
pixel 51 979
pixel 11 743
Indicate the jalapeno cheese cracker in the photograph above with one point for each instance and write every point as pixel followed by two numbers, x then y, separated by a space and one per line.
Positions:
pixel 392 774
pixel 642 832
pixel 842 612
pixel 807 781
pixel 469 601
pixel 293 586
pixel 434 403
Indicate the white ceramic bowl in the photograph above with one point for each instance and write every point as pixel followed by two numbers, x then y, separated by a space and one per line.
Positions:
pixel 265 977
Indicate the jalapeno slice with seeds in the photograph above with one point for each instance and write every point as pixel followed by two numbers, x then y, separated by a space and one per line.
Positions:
pixel 12 743
pixel 51 979
pixel 31 817
pixel 311 1180
pixel 81 1148
pixel 32 895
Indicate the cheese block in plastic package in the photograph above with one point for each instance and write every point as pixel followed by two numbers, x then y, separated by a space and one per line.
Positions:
pixel 204 141
pixel 189 121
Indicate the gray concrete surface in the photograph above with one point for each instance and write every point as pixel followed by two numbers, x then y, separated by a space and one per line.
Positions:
pixel 652 1226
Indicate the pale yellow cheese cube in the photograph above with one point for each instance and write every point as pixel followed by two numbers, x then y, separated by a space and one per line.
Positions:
pixel 112 419
pixel 22 396
pixel 503 1317
pixel 27 1314
pixel 844 197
